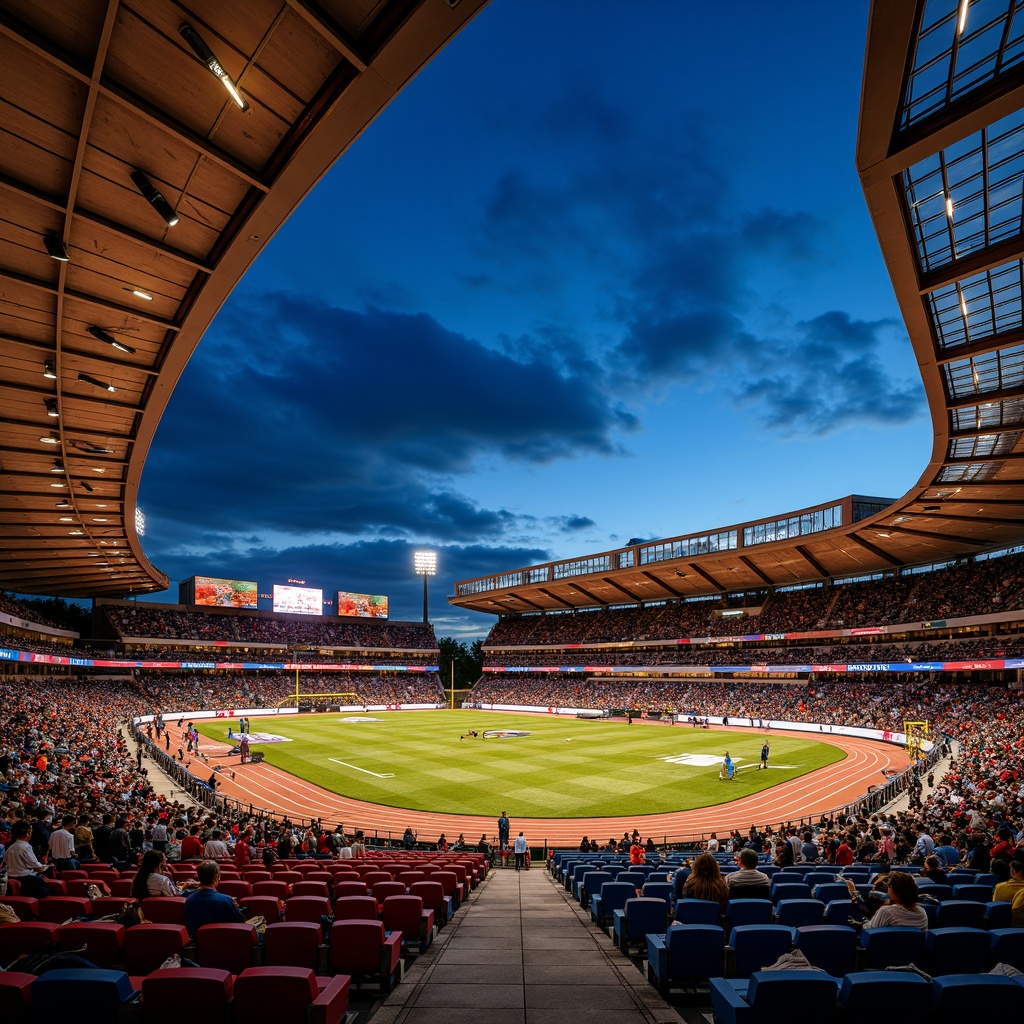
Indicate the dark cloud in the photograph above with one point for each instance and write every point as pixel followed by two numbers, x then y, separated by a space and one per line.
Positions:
pixel 331 419
pixel 829 375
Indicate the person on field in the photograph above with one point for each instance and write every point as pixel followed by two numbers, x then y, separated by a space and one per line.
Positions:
pixel 764 756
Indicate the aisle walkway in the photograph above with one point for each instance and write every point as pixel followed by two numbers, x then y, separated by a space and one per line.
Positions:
pixel 522 953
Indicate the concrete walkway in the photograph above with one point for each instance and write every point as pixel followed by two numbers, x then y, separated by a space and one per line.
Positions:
pixel 521 952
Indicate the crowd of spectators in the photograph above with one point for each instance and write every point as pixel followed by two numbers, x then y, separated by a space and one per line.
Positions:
pixel 165 622
pixel 972 588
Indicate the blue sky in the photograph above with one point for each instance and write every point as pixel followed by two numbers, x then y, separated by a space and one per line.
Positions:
pixel 589 277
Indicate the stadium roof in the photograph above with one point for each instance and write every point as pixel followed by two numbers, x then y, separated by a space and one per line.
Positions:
pixel 91 346
pixel 940 154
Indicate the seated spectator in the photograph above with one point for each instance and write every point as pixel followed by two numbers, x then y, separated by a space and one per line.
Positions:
pixel 1014 884
pixel 705 881
pixel 150 879
pixel 902 910
pixel 932 870
pixel 206 905
pixel 747 873
pixel 23 865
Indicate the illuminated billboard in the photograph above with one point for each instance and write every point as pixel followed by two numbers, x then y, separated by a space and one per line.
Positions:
pixel 298 600
pixel 216 593
pixel 365 606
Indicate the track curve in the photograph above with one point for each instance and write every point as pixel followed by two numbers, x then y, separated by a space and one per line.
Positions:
pixel 833 786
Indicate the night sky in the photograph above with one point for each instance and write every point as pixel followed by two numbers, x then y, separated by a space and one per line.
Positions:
pixel 599 272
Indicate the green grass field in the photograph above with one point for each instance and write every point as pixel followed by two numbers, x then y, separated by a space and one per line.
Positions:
pixel 565 767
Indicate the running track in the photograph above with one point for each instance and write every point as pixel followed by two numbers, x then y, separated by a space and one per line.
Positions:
pixel 834 786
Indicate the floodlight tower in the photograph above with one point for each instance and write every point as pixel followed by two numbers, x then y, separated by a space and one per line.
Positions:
pixel 425 564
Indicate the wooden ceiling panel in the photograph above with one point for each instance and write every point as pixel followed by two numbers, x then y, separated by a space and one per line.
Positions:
pixel 305 80
pixel 73 25
pixel 91 91
pixel 354 16
pixel 34 153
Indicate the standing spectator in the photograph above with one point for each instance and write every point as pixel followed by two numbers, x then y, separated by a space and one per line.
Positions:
pixel 503 830
pixel 520 851
pixel 62 845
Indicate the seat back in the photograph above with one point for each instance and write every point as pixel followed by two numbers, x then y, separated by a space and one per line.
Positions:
pixel 264 906
pixel 779 995
pixel 659 891
pixel 644 914
pixel 307 888
pixel 280 994
pixel 789 890
pixel 755 945
pixel 1008 946
pixel 798 913
pixel 356 946
pixel 164 909
pixel 26 907
pixel 432 894
pixel 960 914
pixel 165 992
pixel 236 888
pixel 307 908
pixel 382 890
pixel 828 891
pixel 960 996
pixel 58 909
pixel 355 908
pixel 104 939
pixel 614 896
pixel 892 947
pixel 274 887
pixel 973 891
pixel 147 946
pixel 292 944
pixel 26 937
pixel 226 946
pixel 695 952
pixel 957 951
pixel 744 911
pixel 371 878
pixel 99 993
pixel 902 994
pixel 350 888
pixel 402 914
pixel 750 892
pixel 699 911
pixel 832 947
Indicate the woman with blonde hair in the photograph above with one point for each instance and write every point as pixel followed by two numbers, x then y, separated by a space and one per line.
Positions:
pixel 706 881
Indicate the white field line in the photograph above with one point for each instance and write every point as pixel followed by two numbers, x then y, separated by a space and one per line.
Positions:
pixel 377 775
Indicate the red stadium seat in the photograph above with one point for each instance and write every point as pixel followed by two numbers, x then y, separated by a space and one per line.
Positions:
pixel 147 946
pixel 363 950
pixel 226 946
pixel 290 995
pixel 166 992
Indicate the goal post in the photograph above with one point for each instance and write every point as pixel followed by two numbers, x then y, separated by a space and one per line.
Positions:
pixel 348 697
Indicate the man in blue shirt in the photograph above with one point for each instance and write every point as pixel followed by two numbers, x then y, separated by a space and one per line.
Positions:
pixel 947 852
pixel 206 905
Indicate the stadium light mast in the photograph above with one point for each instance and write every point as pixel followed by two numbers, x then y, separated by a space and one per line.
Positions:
pixel 425 565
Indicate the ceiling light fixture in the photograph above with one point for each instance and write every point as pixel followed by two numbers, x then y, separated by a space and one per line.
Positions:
pixel 55 248
pixel 63 503
pixel 51 408
pixel 87 486
pixel 140 294
pixel 206 55
pixel 101 335
pixel 50 370
pixel 86 379
pixel 58 483
pixel 154 197
pixel 50 439
pixel 933 508
pixel 67 519
pixel 58 466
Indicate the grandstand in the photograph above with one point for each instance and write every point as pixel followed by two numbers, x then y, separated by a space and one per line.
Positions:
pixel 859 614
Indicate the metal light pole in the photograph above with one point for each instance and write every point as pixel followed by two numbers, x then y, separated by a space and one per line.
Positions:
pixel 425 564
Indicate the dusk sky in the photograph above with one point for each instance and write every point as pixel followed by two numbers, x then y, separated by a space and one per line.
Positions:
pixel 599 272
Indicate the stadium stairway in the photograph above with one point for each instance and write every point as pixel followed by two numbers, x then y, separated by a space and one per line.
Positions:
pixel 523 953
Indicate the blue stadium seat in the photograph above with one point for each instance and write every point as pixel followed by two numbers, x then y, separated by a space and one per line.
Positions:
pixel 754 946
pixel 892 947
pixel 1008 947
pixel 775 996
pixel 865 995
pixel 612 897
pixel 958 951
pixel 697 912
pixel 798 913
pixel 685 956
pixel 640 915
pixel 832 947
pixel 744 911
pixel 962 996
pixel 960 914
